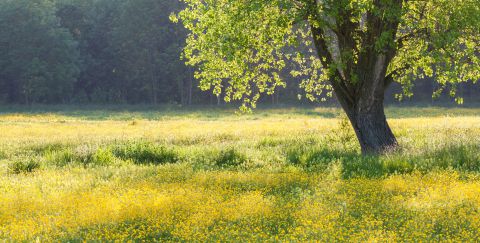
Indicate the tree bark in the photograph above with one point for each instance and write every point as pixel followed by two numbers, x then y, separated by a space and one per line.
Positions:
pixel 181 91
pixel 367 116
pixel 372 130
pixel 360 83
pixel 190 89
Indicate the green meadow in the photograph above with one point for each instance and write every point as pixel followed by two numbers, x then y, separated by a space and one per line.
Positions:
pixel 211 174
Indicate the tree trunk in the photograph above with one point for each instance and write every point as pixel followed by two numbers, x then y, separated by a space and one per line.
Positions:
pixel 367 116
pixel 181 91
pixel 153 78
pixel 190 89
pixel 154 92
pixel 372 129
pixel 360 83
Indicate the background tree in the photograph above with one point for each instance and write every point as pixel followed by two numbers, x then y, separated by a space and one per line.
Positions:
pixel 38 58
pixel 113 51
pixel 357 49
pixel 91 23
pixel 148 46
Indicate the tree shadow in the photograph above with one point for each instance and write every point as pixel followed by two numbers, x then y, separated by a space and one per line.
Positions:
pixel 462 158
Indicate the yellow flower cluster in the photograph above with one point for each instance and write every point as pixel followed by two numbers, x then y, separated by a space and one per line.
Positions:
pixel 266 200
pixel 220 206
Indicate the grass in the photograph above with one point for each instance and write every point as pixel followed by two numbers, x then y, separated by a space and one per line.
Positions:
pixel 290 174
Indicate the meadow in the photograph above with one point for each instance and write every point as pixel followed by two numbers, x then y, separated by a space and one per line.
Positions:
pixel 284 174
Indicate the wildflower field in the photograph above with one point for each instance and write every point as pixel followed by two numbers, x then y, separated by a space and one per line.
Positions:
pixel 292 174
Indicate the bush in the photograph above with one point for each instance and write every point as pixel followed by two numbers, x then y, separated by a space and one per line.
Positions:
pixel 269 142
pixel 83 155
pixel 60 158
pixel 459 157
pixel 311 158
pixel 362 166
pixel 295 155
pixel 44 148
pixel 23 166
pixel 146 153
pixel 397 164
pixel 320 159
pixel 343 135
pixel 102 157
pixel 230 158
pixel 3 154
pixel 94 156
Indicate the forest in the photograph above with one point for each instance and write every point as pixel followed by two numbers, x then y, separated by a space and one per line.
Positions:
pixel 123 52
pixel 202 121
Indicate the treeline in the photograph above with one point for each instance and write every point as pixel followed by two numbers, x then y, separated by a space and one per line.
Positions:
pixel 106 51
pixel 97 51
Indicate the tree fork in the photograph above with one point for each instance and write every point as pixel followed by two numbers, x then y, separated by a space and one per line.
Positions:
pixel 364 108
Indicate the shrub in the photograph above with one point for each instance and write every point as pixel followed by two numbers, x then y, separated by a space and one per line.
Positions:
pixel 362 166
pixel 102 157
pixel 60 158
pixel 23 166
pixel 397 164
pixel 295 155
pixel 83 155
pixel 343 135
pixel 230 158
pixel 3 154
pixel 146 153
pixel 94 156
pixel 460 157
pixel 311 158
pixel 466 157
pixel 44 148
pixel 320 159
pixel 268 142
pixel 133 123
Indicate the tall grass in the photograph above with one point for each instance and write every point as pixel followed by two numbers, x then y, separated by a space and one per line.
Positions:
pixel 211 175
pixel 145 153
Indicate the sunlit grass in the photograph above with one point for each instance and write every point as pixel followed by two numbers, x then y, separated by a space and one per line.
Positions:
pixel 211 175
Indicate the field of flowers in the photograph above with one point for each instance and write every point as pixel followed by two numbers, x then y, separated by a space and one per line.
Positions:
pixel 71 174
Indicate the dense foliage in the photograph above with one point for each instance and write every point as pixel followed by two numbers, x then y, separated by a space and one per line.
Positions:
pixel 38 59
pixel 91 51
pixel 353 48
pixel 241 48
pixel 111 51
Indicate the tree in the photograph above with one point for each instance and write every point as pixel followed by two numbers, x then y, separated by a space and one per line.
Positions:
pixel 357 48
pixel 129 50
pixel 91 23
pixel 147 46
pixel 38 59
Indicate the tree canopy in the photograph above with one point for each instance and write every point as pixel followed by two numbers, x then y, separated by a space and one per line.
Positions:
pixel 38 59
pixel 241 46
pixel 127 51
pixel 356 48
pixel 95 51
